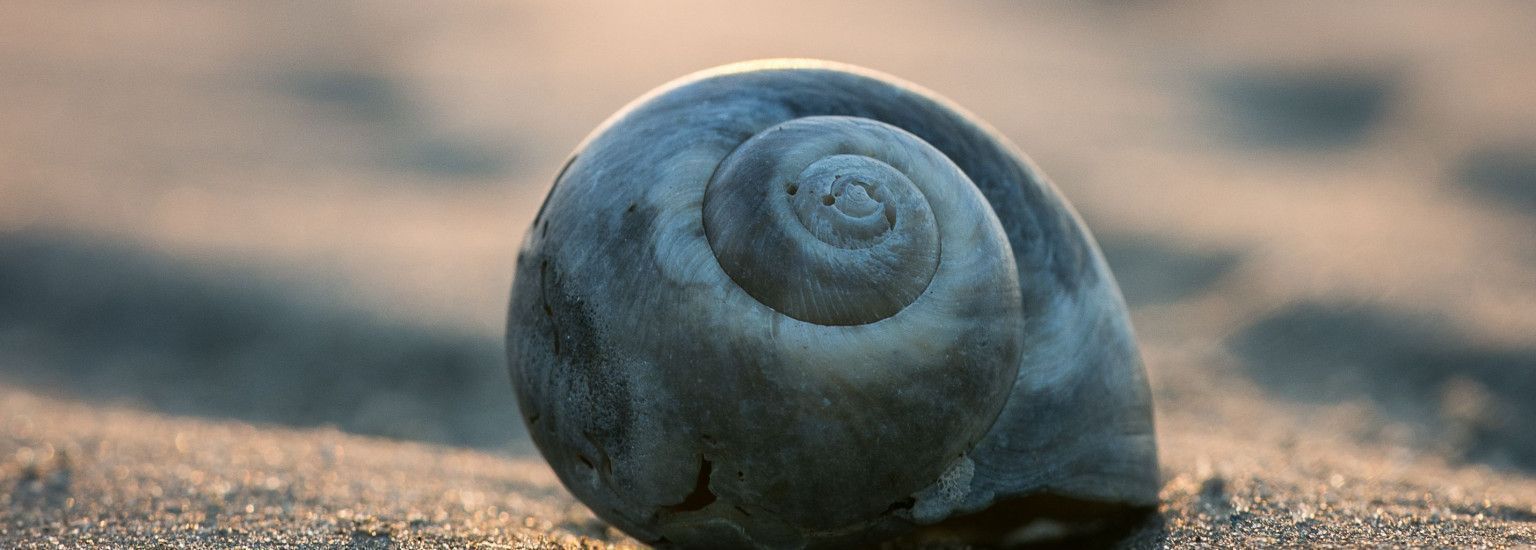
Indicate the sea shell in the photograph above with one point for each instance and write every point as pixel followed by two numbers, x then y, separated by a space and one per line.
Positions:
pixel 803 304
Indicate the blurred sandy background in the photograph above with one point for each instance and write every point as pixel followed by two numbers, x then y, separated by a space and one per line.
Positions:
pixel 305 214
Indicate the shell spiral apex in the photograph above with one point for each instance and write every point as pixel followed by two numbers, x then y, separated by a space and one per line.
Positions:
pixel 800 304
pixel 811 218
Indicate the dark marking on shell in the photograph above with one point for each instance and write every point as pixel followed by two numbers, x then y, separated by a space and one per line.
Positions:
pixel 701 496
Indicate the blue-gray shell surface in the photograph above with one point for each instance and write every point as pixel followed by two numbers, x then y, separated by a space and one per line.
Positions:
pixel 796 304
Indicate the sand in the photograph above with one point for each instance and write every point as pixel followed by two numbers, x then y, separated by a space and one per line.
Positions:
pixel 254 257
pixel 82 475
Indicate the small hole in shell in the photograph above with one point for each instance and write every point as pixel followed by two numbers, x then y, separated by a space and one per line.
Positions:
pixel 792 189
pixel 828 200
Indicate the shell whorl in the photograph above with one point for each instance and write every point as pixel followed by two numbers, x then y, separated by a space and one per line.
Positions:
pixel 827 219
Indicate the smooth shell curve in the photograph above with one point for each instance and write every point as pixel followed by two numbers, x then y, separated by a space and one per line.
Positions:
pixel 794 303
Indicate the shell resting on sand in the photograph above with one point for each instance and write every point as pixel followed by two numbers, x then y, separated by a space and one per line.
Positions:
pixel 791 304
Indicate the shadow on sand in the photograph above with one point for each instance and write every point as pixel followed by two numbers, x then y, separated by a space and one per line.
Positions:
pixel 1315 109
pixel 404 138
pixel 1502 175
pixel 1477 401
pixel 1152 270
pixel 99 321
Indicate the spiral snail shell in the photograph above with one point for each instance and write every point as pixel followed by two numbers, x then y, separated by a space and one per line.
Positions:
pixel 800 304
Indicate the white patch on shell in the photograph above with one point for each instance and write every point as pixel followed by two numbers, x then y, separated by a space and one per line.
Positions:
pixel 938 501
